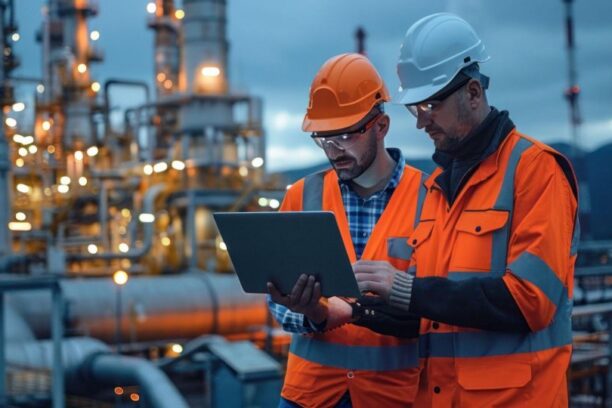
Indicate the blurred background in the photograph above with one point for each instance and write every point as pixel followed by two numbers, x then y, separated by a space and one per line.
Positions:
pixel 126 124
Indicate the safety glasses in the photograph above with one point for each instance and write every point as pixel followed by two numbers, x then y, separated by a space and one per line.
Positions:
pixel 430 105
pixel 343 140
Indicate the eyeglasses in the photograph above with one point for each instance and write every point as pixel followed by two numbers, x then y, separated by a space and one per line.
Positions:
pixel 343 140
pixel 431 105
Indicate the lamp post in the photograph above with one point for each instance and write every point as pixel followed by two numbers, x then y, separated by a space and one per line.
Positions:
pixel 120 278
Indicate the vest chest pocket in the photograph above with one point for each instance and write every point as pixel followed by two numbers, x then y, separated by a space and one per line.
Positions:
pixel 473 244
pixel 399 252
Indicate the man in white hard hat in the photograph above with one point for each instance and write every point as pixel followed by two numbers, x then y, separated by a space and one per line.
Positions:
pixel 495 249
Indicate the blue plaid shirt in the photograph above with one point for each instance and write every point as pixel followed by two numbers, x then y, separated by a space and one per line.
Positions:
pixel 362 215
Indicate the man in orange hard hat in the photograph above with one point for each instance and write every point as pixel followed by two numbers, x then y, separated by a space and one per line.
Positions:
pixel 495 249
pixel 375 198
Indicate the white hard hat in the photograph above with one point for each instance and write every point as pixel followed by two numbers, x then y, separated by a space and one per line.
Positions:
pixel 435 49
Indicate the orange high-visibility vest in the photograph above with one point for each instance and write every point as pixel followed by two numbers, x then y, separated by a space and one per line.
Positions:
pixel 515 218
pixel 375 369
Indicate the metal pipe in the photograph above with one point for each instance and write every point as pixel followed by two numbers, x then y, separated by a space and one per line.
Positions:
pixel 5 164
pixel 163 307
pixel 88 361
pixel 157 390
pixel 107 85
pixel 134 253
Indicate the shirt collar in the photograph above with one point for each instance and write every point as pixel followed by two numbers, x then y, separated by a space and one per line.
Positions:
pixel 396 176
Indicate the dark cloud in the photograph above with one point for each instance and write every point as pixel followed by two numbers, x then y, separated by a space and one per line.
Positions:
pixel 278 45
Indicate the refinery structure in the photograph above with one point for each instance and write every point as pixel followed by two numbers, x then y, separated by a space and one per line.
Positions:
pixel 116 288
pixel 112 223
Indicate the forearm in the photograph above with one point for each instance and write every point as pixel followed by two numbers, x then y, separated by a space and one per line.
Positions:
pixel 290 322
pixel 479 303
pixel 339 313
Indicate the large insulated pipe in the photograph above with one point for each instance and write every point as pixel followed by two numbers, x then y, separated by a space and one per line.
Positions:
pixel 164 307
pixel 88 361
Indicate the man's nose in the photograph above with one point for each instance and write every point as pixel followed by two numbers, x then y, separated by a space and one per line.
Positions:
pixel 423 119
pixel 333 151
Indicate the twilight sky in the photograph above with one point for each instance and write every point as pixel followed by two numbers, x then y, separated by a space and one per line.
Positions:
pixel 277 46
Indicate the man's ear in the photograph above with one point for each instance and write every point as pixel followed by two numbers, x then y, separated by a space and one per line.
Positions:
pixel 475 92
pixel 382 126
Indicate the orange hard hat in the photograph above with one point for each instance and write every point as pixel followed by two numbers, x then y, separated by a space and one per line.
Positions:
pixel 342 93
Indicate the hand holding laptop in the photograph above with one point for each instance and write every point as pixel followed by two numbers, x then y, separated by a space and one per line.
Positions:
pixel 305 298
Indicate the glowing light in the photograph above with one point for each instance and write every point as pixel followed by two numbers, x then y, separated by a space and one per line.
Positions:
pixel 168 84
pixel 178 165
pixel 120 277
pixel 15 37
pixel 263 202
pixel 32 149
pixel 151 8
pixel 40 88
pixel 161 77
pixel 94 35
pixel 165 241
pixel 17 138
pixel 274 203
pixel 134 397
pixel 18 106
pixel 65 180
pixel 51 149
pixel 125 213
pixel 63 188
pixel 26 140
pixel 20 216
pixel 177 348
pixel 92 151
pixel 123 247
pixel 257 162
pixel 46 125
pixel 47 191
pixel 83 181
pixel 210 71
pixel 82 68
pixel 92 249
pixel 95 86
pixel 160 167
pixel 23 152
pixel 19 162
pixel 118 390
pixel 243 171
pixel 10 122
pixel 146 217
pixel 19 226
pixel 147 169
pixel 222 246
pixel 78 155
pixel 23 188
pixel 179 14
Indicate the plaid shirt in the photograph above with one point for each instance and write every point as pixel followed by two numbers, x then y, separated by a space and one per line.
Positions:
pixel 362 215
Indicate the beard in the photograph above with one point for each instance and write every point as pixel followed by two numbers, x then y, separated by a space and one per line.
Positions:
pixel 349 167
pixel 447 143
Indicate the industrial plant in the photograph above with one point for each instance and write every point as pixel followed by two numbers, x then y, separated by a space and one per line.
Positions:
pixel 116 288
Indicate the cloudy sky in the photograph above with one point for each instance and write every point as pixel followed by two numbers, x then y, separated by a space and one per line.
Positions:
pixel 277 47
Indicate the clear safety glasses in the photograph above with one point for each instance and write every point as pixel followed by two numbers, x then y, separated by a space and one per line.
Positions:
pixel 343 140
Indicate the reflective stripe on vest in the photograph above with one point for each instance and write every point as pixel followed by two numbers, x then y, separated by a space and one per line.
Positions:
pixel 350 357
pixel 528 267
pixel 505 202
pixel 398 247
pixel 379 358
pixel 312 196
pixel 488 343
